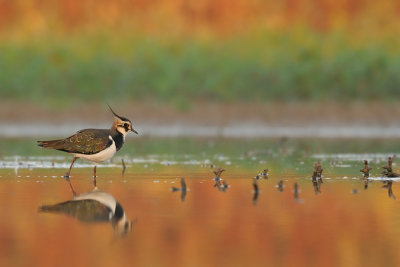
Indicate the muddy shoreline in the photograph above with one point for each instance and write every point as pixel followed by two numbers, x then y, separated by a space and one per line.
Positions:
pixel 207 113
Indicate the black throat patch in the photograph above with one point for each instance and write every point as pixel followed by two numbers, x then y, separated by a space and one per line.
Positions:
pixel 118 139
pixel 119 212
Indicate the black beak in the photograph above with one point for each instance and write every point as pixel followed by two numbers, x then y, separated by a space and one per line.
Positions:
pixel 133 130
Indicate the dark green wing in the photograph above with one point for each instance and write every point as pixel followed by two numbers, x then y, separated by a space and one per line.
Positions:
pixel 88 141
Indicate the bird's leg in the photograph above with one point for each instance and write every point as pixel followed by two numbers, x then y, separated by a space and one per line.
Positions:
pixel 94 175
pixel 70 185
pixel 70 167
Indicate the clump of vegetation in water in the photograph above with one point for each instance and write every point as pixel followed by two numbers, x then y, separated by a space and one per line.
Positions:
pixel 366 169
pixel 317 173
pixel 366 173
pixel 388 169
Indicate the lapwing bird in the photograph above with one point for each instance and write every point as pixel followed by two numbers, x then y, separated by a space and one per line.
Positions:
pixel 95 145
pixel 94 206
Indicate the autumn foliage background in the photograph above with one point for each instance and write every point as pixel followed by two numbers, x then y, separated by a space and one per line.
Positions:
pixel 183 51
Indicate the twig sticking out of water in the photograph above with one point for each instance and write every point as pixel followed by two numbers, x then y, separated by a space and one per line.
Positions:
pixel 388 185
pixel 366 182
pixel 123 167
pixel 263 174
pixel 317 173
pixel 366 169
pixel 183 189
pixel 218 173
pixel 256 191
pixel 219 183
pixel 366 173
pixel 296 192
pixel 280 186
pixel 388 170
pixel 317 186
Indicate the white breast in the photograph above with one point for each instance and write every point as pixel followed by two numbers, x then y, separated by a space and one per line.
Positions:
pixel 102 155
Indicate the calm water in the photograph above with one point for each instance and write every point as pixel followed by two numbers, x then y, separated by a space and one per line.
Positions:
pixel 336 223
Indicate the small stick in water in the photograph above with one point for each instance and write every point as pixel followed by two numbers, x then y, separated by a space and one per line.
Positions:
pixel 263 174
pixel 224 185
pixel 366 173
pixel 256 191
pixel 366 169
pixel 317 186
pixel 388 170
pixel 218 173
pixel 123 167
pixel 183 189
pixel 296 191
pixel 317 173
pixel 279 186
pixel 388 185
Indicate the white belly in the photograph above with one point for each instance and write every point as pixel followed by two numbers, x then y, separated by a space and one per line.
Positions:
pixel 102 155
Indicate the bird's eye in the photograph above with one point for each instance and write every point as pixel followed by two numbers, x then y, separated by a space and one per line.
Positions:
pixel 126 125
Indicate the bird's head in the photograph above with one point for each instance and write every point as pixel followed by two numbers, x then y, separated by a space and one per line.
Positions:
pixel 122 124
pixel 122 227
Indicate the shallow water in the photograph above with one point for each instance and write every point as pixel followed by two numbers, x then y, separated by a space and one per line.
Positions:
pixel 335 223
pixel 342 225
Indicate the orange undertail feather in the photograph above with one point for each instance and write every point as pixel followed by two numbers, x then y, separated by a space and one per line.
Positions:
pixel 52 144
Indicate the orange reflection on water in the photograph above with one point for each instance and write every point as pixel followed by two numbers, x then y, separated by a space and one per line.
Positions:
pixel 210 228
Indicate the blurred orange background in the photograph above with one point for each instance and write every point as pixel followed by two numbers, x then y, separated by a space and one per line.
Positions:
pixel 197 18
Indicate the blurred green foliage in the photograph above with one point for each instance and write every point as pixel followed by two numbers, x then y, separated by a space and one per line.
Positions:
pixel 263 67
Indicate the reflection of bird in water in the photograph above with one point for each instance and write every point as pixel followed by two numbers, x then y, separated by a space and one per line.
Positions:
pixel 280 186
pixel 183 189
pixel 95 145
pixel 91 207
pixel 256 191
pixel 388 185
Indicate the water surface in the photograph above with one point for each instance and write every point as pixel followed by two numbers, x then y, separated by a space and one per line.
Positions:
pixel 335 223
